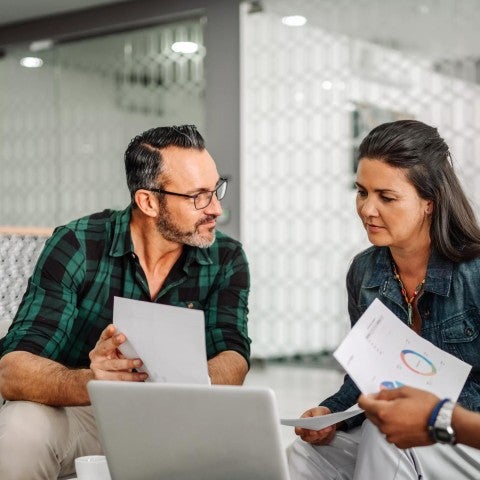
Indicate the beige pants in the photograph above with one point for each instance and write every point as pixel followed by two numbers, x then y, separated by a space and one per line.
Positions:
pixel 42 442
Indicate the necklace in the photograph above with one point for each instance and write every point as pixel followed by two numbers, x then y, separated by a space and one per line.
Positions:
pixel 405 294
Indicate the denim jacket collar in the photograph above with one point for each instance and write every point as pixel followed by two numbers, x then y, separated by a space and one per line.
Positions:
pixel 438 279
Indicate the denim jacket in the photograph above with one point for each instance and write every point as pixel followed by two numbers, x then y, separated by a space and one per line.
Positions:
pixel 449 306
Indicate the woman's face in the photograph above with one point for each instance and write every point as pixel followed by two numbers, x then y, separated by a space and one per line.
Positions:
pixel 390 208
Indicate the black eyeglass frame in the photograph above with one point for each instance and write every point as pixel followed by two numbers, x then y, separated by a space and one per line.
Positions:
pixel 222 181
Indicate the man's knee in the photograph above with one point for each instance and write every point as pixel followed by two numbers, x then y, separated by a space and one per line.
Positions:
pixel 30 422
pixel 28 433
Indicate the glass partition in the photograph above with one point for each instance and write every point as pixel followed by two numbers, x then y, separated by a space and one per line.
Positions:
pixel 65 125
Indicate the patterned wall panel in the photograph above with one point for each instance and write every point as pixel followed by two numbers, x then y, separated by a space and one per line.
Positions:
pixel 309 94
pixel 18 255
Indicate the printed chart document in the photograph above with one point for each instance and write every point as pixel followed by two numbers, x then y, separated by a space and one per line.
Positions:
pixel 169 340
pixel 380 352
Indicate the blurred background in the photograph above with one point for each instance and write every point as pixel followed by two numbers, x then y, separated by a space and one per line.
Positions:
pixel 283 92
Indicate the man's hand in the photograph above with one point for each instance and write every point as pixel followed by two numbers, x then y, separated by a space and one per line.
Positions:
pixel 401 414
pixel 107 363
pixel 316 437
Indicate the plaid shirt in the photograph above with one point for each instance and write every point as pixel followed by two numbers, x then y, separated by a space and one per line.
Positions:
pixel 85 264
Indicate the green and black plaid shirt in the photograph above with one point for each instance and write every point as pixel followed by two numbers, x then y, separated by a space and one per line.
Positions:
pixel 69 298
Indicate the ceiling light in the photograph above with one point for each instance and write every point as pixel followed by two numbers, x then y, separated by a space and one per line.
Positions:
pixel 31 62
pixel 185 47
pixel 294 20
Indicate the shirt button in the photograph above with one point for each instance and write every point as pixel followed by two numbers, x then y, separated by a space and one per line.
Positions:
pixel 427 313
pixel 133 256
pixel 190 305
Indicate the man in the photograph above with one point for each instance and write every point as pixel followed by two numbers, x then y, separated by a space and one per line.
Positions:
pixel 405 414
pixel 162 248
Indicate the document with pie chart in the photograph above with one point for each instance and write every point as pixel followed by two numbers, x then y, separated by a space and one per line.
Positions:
pixel 381 352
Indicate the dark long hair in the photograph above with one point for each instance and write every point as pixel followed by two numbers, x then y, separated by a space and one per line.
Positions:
pixel 143 157
pixel 423 154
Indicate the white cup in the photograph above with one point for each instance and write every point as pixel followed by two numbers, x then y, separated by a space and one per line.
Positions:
pixel 92 467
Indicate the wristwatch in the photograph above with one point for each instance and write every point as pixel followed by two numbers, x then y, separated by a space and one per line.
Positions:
pixel 440 424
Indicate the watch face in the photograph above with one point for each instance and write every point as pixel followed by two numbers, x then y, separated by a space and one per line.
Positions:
pixel 444 435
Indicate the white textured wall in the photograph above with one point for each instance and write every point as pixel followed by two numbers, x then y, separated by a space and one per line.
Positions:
pixel 299 226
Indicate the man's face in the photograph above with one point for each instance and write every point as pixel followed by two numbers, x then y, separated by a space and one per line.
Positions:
pixel 188 171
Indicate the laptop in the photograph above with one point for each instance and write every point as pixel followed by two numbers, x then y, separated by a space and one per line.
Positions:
pixel 159 431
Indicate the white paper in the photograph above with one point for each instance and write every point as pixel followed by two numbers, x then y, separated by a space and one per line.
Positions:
pixel 322 421
pixel 380 352
pixel 169 340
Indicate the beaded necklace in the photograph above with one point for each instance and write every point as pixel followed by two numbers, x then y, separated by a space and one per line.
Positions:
pixel 405 294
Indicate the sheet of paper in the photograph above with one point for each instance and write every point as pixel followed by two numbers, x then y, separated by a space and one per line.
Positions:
pixel 169 340
pixel 380 352
pixel 323 421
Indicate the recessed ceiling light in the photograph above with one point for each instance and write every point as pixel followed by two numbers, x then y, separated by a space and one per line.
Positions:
pixel 185 47
pixel 31 62
pixel 294 20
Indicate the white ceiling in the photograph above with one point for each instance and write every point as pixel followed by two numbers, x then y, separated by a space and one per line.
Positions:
pixel 437 28
pixel 20 10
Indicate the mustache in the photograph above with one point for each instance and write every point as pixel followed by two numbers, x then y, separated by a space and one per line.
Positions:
pixel 207 219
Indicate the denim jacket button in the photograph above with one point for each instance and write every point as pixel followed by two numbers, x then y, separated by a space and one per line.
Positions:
pixel 468 332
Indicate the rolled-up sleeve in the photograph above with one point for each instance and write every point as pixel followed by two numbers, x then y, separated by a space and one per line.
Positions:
pixel 226 314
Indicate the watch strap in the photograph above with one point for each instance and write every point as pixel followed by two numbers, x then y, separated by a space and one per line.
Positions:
pixel 433 415
pixel 440 422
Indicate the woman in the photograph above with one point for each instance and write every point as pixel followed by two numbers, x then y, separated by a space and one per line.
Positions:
pixel 425 266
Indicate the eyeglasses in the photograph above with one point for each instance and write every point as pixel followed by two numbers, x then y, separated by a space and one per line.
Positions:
pixel 202 199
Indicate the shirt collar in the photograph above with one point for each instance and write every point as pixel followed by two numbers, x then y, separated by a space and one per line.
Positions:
pixel 439 274
pixel 122 240
pixel 199 255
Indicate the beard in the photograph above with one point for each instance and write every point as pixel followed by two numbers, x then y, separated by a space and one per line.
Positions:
pixel 170 230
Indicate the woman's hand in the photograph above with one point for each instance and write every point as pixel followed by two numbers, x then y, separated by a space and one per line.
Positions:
pixel 316 437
